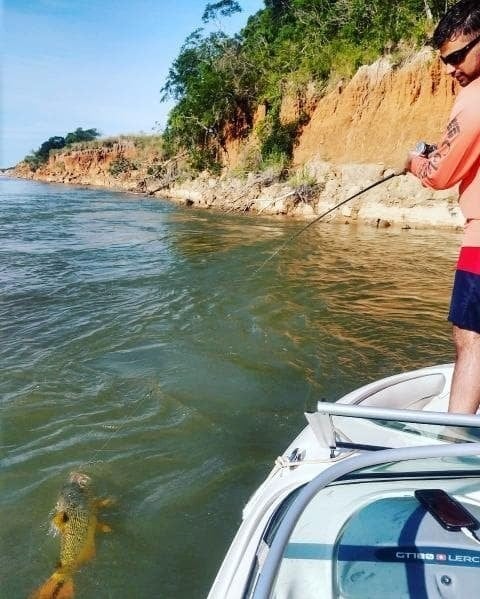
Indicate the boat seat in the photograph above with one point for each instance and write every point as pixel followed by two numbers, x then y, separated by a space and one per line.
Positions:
pixel 410 394
pixel 438 403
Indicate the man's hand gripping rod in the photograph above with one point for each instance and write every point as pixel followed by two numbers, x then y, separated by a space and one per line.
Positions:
pixel 316 219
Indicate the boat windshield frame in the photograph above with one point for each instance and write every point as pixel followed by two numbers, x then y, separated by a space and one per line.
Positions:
pixel 324 430
pixel 268 574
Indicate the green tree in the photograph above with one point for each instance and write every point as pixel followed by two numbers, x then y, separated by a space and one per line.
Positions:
pixel 81 135
pixel 224 8
pixel 210 91
pixel 52 143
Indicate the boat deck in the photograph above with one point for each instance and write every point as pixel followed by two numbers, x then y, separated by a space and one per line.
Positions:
pixel 378 538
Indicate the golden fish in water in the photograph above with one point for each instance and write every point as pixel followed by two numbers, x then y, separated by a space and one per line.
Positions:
pixel 76 520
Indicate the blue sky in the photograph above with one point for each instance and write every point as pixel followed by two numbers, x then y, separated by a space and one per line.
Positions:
pixel 90 63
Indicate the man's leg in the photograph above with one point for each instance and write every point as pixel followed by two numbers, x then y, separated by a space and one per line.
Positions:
pixel 465 392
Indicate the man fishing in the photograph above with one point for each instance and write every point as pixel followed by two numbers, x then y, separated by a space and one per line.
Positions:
pixel 456 159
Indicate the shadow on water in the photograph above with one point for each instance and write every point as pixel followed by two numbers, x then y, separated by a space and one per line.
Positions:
pixel 140 345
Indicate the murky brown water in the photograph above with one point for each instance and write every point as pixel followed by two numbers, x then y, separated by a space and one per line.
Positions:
pixel 139 345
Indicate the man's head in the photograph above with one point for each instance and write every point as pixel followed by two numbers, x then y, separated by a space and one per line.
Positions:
pixel 457 36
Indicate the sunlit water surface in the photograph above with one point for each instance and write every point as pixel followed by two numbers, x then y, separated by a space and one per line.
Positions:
pixel 141 344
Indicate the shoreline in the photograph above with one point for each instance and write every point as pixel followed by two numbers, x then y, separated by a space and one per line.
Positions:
pixel 400 202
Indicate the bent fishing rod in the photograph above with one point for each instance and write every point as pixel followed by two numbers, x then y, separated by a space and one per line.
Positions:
pixel 324 214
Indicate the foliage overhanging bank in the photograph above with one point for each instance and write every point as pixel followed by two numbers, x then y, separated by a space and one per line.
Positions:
pixel 218 81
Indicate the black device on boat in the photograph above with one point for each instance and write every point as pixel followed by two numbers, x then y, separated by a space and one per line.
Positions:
pixel 446 510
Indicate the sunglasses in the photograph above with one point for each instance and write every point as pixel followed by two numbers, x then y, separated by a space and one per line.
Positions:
pixel 457 57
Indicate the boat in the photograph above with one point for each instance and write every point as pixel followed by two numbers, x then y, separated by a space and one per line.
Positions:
pixel 377 497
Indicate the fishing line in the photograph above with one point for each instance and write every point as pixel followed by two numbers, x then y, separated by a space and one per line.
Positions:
pixel 135 408
pixel 323 215
pixel 123 423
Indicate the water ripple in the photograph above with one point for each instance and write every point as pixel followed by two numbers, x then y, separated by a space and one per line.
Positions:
pixel 141 343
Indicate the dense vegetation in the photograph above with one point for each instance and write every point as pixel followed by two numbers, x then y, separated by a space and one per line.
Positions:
pixel 40 156
pixel 217 81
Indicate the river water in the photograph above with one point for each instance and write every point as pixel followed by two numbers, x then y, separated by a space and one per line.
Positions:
pixel 140 344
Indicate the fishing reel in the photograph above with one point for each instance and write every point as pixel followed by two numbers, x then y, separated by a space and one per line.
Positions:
pixel 423 149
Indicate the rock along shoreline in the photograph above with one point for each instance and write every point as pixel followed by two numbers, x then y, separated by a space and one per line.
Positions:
pixel 401 201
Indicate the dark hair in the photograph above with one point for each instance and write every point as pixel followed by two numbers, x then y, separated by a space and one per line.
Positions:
pixel 463 18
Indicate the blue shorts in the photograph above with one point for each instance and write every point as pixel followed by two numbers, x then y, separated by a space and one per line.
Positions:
pixel 465 303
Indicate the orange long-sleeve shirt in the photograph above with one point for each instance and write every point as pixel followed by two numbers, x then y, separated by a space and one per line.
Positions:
pixel 457 160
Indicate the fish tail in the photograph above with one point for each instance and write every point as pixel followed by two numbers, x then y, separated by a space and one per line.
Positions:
pixel 58 586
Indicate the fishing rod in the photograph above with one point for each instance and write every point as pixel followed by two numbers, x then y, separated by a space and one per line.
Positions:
pixel 315 220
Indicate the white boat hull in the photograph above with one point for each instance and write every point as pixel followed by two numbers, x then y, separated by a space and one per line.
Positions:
pixel 310 454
